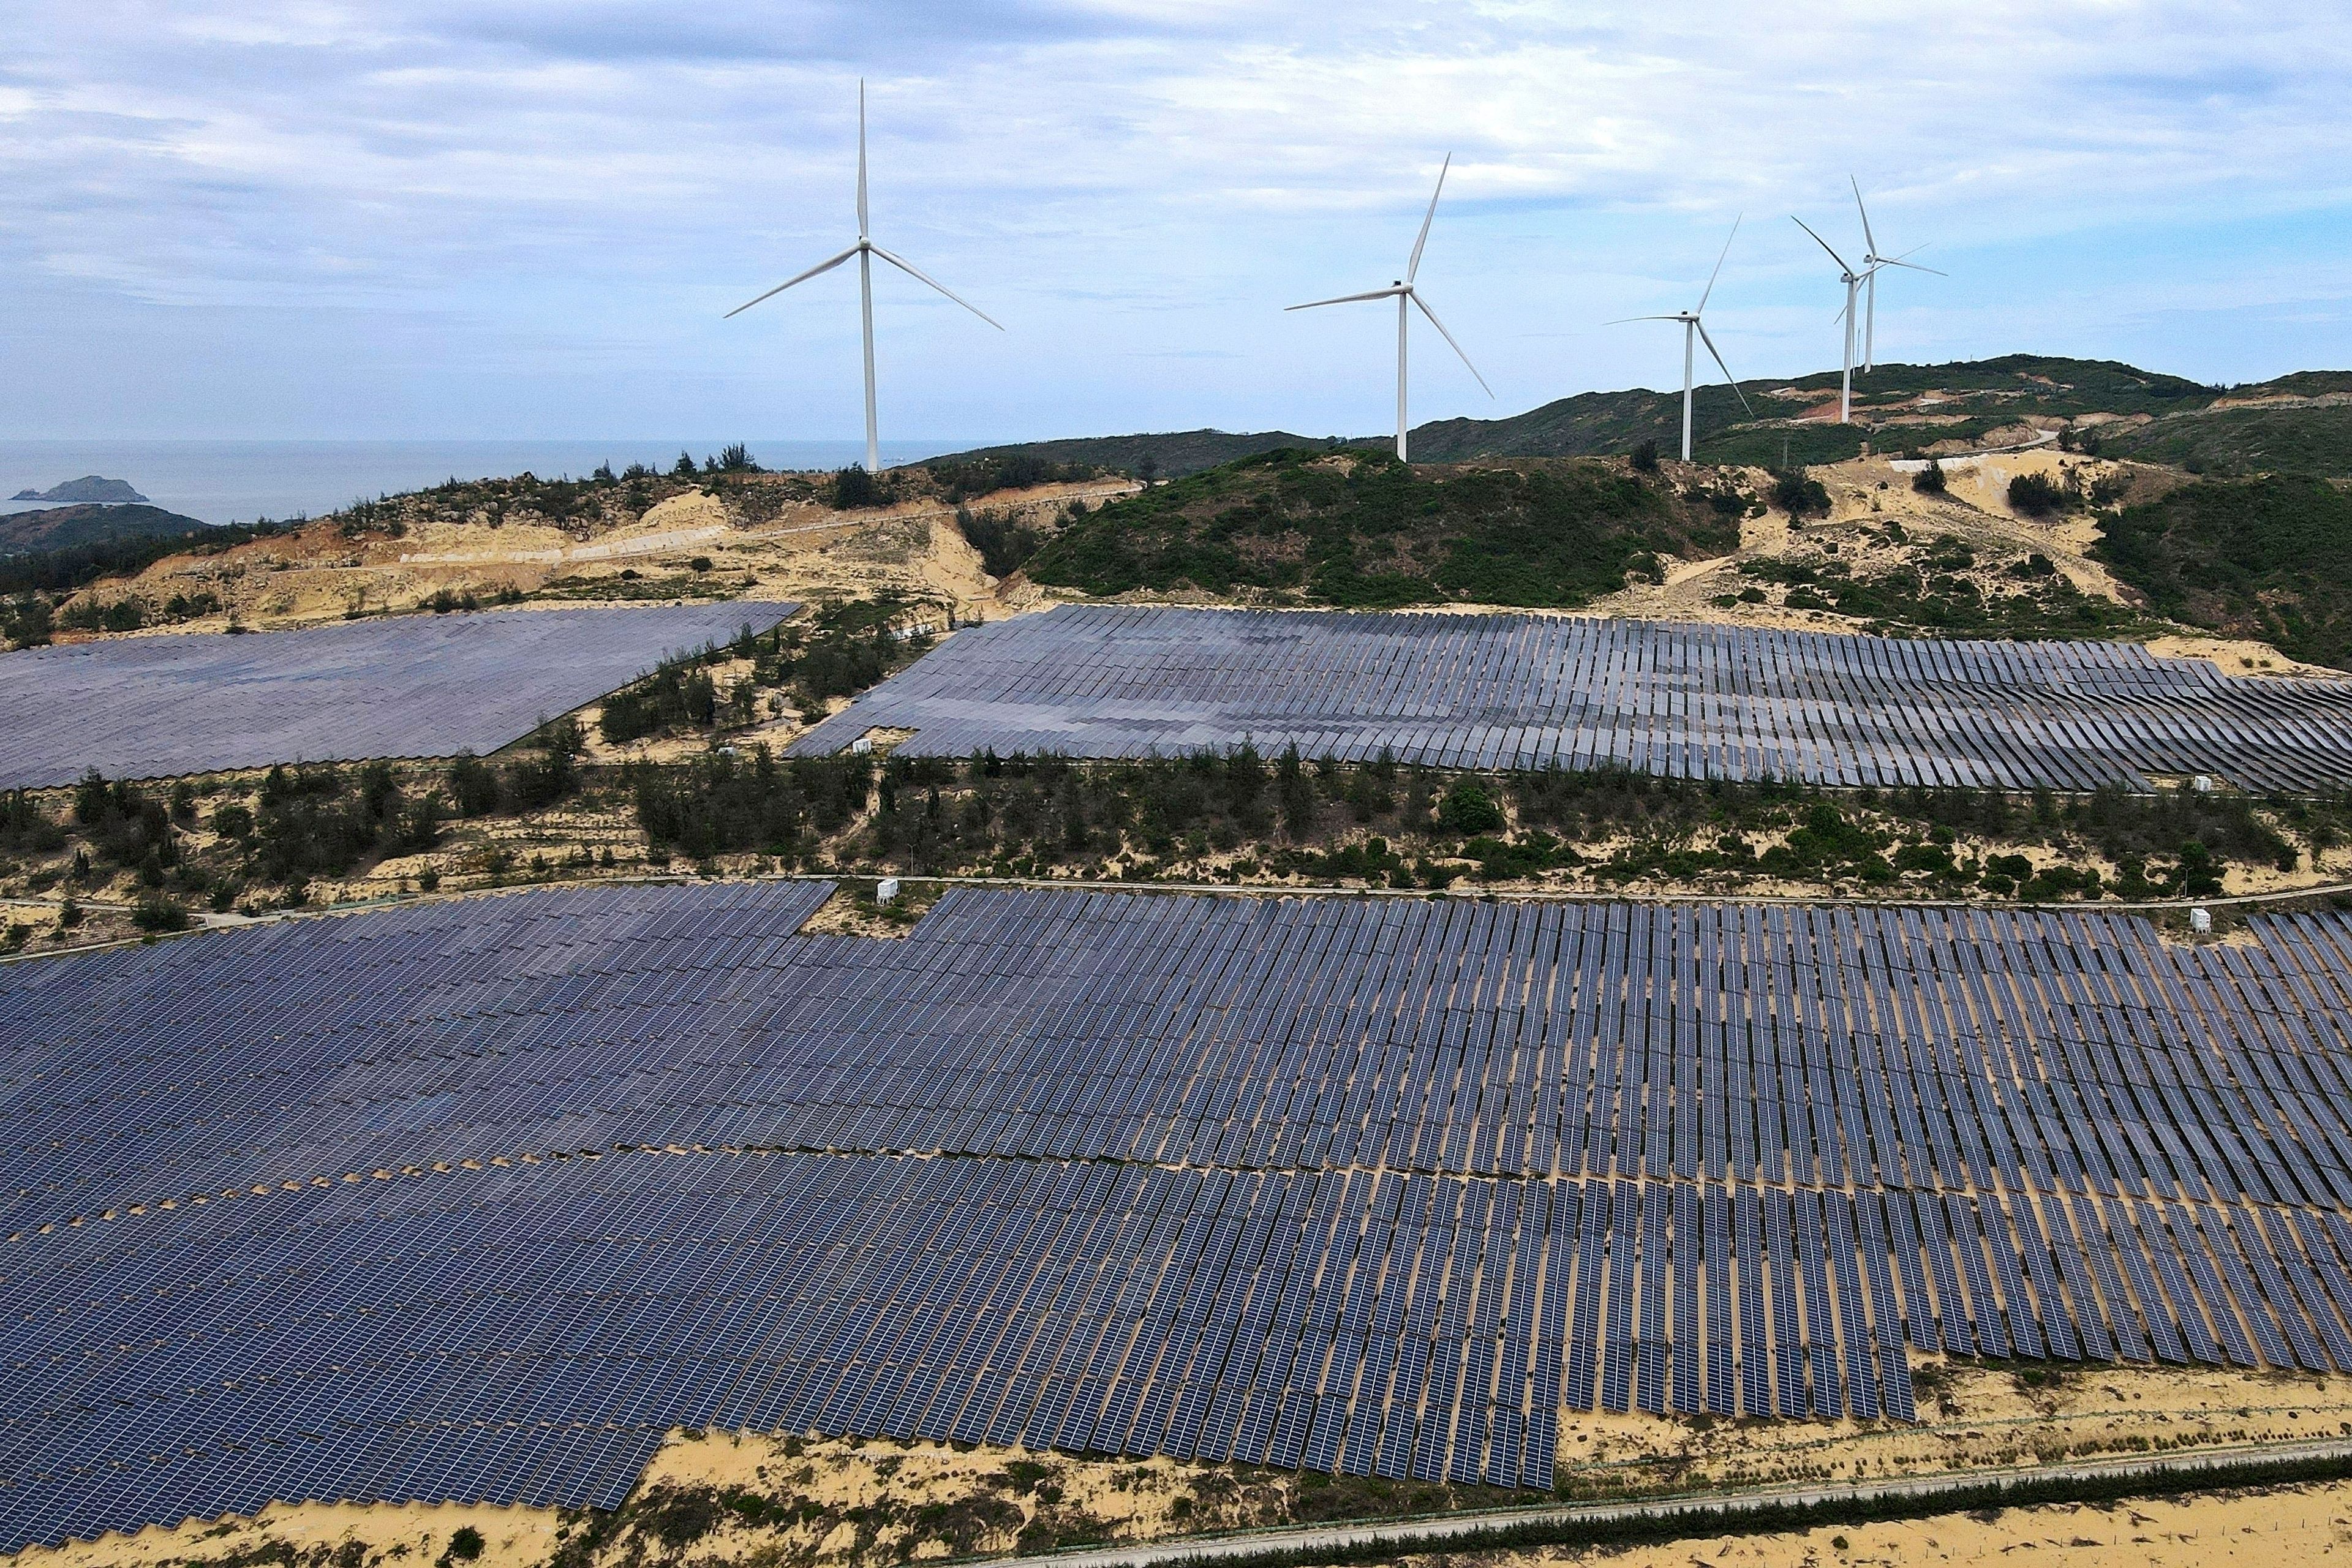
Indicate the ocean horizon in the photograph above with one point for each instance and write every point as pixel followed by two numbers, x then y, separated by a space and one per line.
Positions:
pixel 240 481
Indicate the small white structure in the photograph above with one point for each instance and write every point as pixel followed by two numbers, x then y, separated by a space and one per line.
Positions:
pixel 862 746
pixel 2202 783
pixel 885 891
pixel 2200 921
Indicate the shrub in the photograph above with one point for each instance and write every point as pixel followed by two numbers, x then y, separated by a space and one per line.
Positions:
pixel 1004 543
pixel 855 488
pixel 1467 809
pixel 1798 494
pixel 122 615
pixel 1929 481
pixel 26 622
pixel 1645 456
pixel 158 913
pixel 2036 495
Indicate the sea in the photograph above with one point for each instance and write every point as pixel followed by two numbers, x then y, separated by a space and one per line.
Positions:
pixel 240 481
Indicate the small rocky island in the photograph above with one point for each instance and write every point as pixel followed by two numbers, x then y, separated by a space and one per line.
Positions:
pixel 87 490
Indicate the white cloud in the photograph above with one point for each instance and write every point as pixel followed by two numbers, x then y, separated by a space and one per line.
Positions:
pixel 1127 181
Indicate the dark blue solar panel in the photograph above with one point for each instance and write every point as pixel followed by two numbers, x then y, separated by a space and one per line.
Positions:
pixel 1094 1273
pixel 407 685
pixel 1519 692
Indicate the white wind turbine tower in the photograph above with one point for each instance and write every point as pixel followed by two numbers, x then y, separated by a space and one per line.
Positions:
pixel 1853 281
pixel 1694 334
pixel 866 250
pixel 1871 261
pixel 1403 292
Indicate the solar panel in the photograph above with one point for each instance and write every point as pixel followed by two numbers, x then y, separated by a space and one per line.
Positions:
pixel 1520 691
pixel 406 686
pixel 1236 1178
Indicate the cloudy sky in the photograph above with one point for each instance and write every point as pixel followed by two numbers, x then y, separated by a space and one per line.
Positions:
pixel 444 218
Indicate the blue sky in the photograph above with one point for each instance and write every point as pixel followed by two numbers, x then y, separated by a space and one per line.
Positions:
pixel 412 219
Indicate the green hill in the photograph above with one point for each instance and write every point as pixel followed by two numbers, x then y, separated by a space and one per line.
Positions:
pixel 1358 528
pixel 2268 558
pixel 74 527
pixel 1899 408
pixel 2299 424
pixel 1174 454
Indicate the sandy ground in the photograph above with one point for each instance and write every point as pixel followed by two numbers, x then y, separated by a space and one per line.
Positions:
pixel 2299 1524
pixel 319 1533
pixel 1865 495
pixel 807 551
pixel 1971 1417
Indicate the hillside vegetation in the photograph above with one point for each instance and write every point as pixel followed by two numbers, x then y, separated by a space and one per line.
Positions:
pixel 1361 528
pixel 2300 423
pixel 79 527
pixel 1168 455
pixel 2280 437
pixel 2268 558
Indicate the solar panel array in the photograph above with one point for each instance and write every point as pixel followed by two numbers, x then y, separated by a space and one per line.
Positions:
pixel 1536 691
pixel 1365 1186
pixel 414 686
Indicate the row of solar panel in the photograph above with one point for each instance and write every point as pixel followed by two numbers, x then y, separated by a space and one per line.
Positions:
pixel 412 686
pixel 2077 1054
pixel 346 1342
pixel 1521 691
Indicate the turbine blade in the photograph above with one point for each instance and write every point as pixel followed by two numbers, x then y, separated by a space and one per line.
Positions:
pixel 861 158
pixel 1868 238
pixel 1347 298
pixel 1622 319
pixel 1725 368
pixel 1413 265
pixel 1718 263
pixel 911 270
pixel 802 277
pixel 1910 266
pixel 1442 333
pixel 1824 244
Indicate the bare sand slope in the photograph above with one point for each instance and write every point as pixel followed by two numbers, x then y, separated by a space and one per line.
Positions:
pixel 698 544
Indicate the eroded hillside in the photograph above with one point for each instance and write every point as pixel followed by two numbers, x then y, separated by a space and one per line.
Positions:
pixel 639 537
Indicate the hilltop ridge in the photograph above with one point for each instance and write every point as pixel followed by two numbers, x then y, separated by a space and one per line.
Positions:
pixel 2301 422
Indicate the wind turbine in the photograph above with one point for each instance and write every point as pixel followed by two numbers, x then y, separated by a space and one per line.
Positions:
pixel 1694 329
pixel 866 250
pixel 1402 291
pixel 1872 261
pixel 1853 281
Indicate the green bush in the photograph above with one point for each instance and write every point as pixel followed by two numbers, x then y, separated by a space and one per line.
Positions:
pixel 158 913
pixel 855 488
pixel 1799 494
pixel 1467 809
pixel 2037 495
